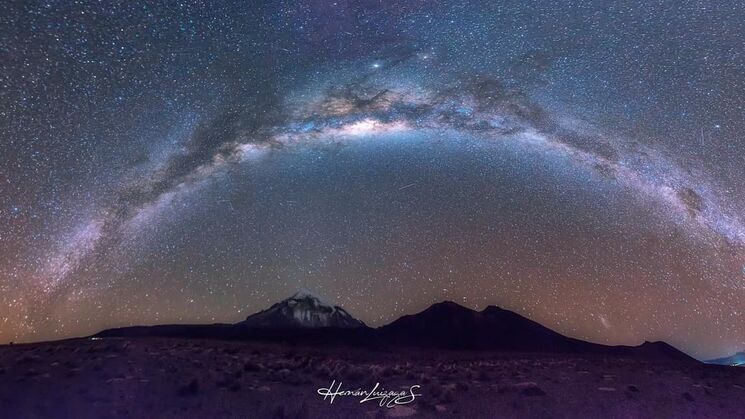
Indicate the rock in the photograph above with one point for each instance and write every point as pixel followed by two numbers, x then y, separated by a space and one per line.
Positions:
pixel 533 391
pixel 633 388
pixel 607 388
pixel 400 412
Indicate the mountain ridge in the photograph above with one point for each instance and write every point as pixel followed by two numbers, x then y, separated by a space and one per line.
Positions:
pixel 442 326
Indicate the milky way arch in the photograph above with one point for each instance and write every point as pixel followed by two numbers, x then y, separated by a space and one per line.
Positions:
pixel 334 113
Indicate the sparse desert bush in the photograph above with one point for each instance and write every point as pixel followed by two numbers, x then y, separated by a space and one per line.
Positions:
pixel 28 359
pixel 250 366
pixel 426 405
pixel 232 350
pixel 284 374
pixel 448 395
pixel 435 389
pixel 340 368
pixel 301 362
pixel 462 386
pixel 323 371
pixel 287 412
pixel 355 374
pixel 532 391
pixel 388 371
pixel 229 383
pixel 189 389
pixel 279 413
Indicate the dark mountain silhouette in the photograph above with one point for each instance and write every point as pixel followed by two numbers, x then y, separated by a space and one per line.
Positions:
pixel 443 326
pixel 448 325
pixel 452 326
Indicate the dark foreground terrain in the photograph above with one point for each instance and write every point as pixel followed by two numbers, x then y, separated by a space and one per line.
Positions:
pixel 179 378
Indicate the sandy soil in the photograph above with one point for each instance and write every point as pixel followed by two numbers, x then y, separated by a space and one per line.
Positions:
pixel 174 378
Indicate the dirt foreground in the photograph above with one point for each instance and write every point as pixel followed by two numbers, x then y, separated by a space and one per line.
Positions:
pixel 172 378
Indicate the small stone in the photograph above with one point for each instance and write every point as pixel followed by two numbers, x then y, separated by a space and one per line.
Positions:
pixel 400 412
pixel 532 391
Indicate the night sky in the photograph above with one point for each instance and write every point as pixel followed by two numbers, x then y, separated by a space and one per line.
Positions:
pixel 580 164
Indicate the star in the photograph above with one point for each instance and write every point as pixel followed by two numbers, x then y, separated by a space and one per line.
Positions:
pixel 183 163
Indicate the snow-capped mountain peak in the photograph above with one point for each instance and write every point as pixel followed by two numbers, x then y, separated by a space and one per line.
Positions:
pixel 305 294
pixel 303 309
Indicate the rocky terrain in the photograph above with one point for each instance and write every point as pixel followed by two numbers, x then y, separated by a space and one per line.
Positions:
pixel 446 361
pixel 184 378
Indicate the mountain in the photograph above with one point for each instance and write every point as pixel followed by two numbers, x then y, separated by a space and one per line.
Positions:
pixel 451 326
pixel 736 360
pixel 307 320
pixel 302 310
pixel 448 325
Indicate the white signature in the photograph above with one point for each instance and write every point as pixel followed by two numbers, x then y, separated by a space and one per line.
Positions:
pixel 385 398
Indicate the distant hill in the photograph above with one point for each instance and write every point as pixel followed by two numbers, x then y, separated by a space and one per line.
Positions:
pixel 449 325
pixel 736 360
pixel 452 326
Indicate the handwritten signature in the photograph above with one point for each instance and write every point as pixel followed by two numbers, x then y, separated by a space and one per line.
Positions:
pixel 385 398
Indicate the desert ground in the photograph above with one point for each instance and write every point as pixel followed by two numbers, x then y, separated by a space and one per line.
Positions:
pixel 178 378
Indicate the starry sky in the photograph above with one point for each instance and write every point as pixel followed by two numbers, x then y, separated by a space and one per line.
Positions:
pixel 577 162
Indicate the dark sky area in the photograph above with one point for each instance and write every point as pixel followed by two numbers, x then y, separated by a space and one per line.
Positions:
pixel 580 163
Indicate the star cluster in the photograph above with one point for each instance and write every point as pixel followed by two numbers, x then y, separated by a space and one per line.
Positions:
pixel 579 163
